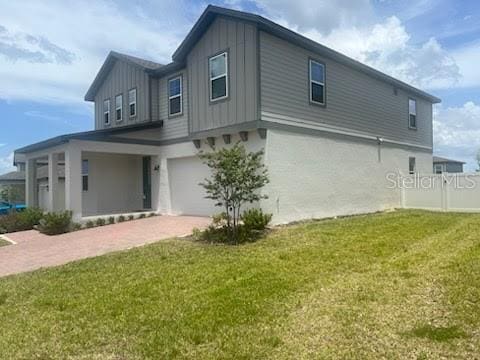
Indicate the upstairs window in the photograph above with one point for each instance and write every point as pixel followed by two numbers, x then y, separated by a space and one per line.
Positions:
pixel 132 102
pixel 411 165
pixel 317 82
pixel 218 72
pixel 175 98
pixel 106 112
pixel 84 175
pixel 118 107
pixel 412 113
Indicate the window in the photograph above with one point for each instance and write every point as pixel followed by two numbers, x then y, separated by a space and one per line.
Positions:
pixel 412 113
pixel 118 107
pixel 106 112
pixel 175 96
pixel 218 70
pixel 317 82
pixel 84 175
pixel 438 169
pixel 132 102
pixel 411 165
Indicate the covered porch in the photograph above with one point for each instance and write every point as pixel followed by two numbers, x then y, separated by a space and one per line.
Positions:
pixel 101 178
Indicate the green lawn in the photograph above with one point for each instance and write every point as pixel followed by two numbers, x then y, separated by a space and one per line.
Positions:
pixel 394 285
pixel 3 242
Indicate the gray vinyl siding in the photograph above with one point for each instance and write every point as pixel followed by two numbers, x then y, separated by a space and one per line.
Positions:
pixel 454 167
pixel 175 126
pixel 240 40
pixel 354 100
pixel 120 80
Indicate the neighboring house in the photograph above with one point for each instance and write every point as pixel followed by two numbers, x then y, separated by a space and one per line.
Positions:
pixel 17 180
pixel 331 127
pixel 441 165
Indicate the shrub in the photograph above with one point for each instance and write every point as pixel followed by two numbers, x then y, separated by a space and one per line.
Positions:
pixel 255 219
pixel 76 227
pixel 24 220
pixel 89 224
pixel 100 222
pixel 131 217
pixel 142 216
pixel 55 223
pixel 121 218
pixel 111 220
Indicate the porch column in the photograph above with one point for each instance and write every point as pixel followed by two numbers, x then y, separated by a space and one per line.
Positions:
pixel 31 191
pixel 52 181
pixel 73 181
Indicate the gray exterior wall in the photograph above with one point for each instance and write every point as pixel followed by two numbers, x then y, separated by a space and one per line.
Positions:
pixel 240 40
pixel 175 126
pixel 354 100
pixel 120 80
pixel 454 167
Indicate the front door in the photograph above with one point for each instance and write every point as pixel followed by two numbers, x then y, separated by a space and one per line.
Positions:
pixel 147 182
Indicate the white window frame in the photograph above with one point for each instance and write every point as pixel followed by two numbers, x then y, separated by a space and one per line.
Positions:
pixel 180 95
pixel 106 101
pixel 436 166
pixel 311 81
pixel 86 174
pixel 225 53
pixel 119 107
pixel 134 102
pixel 411 113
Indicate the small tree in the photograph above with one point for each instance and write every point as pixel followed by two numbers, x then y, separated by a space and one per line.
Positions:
pixel 237 177
pixel 10 194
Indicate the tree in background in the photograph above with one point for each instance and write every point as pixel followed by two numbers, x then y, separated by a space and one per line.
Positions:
pixel 237 176
pixel 478 160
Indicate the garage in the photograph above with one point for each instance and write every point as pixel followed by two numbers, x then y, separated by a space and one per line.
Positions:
pixel 187 197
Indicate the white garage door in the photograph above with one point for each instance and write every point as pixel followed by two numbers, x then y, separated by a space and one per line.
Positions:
pixel 187 197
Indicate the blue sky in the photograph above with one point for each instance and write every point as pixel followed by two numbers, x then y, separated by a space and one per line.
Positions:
pixel 51 50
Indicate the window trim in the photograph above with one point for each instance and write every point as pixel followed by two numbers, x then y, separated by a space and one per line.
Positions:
pixel 85 175
pixel 310 81
pixel 414 165
pixel 227 76
pixel 409 113
pixel 121 108
pixel 108 111
pixel 130 103
pixel 180 95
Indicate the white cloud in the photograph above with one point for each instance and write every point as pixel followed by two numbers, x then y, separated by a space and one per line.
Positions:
pixel 52 51
pixel 456 132
pixel 6 164
pixel 323 16
pixel 467 58
pixel 384 45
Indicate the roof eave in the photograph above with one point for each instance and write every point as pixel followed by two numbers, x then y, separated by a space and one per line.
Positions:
pixel 269 26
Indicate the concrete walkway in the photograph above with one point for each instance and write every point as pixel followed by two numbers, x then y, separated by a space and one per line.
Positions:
pixel 34 250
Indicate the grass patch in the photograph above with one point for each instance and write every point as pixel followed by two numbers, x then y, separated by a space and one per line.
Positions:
pixel 4 242
pixel 346 288
pixel 437 333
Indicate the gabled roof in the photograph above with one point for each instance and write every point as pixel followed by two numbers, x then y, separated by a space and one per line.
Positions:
pixel 439 159
pixel 111 59
pixel 211 12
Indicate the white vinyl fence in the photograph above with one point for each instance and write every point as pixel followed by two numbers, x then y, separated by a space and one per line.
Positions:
pixel 446 192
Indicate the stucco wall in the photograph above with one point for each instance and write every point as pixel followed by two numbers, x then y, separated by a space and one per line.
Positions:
pixel 43 195
pixel 115 184
pixel 315 177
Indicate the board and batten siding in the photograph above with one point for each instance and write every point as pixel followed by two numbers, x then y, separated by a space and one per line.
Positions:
pixel 354 100
pixel 240 40
pixel 122 78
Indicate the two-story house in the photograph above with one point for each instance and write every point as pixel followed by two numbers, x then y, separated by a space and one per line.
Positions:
pixel 331 127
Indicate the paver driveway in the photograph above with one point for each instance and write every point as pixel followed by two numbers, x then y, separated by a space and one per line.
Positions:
pixel 34 250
